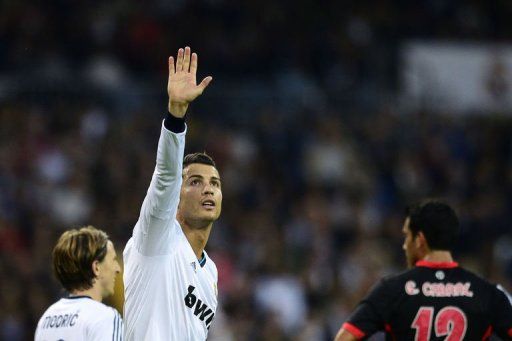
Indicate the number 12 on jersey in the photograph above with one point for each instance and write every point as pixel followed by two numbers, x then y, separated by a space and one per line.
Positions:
pixel 449 321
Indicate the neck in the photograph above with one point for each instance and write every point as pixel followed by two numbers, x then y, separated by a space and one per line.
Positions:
pixel 438 256
pixel 197 237
pixel 93 293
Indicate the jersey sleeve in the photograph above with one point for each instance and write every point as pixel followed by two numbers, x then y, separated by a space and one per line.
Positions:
pixel 109 328
pixel 152 234
pixel 372 312
pixel 502 317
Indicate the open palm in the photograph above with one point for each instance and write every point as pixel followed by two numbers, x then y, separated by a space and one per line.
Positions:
pixel 181 86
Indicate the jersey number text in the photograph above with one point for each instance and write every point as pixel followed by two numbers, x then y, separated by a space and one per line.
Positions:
pixel 450 322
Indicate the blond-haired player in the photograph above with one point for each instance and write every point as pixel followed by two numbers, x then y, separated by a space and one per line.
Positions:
pixel 85 263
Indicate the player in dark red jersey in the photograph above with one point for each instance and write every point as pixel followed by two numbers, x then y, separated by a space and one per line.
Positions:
pixel 436 299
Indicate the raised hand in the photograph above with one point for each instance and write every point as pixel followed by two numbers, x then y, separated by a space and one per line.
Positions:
pixel 181 86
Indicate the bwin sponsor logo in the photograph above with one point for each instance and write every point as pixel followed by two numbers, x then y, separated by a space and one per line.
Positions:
pixel 200 309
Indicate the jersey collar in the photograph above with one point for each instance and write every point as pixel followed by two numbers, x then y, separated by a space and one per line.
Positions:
pixel 437 265
pixel 192 258
pixel 202 261
pixel 71 297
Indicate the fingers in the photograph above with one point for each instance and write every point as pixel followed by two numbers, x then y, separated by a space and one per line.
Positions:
pixel 193 64
pixel 179 60
pixel 183 60
pixel 186 59
pixel 204 83
pixel 172 71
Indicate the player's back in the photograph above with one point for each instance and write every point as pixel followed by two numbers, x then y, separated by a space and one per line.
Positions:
pixel 79 318
pixel 441 301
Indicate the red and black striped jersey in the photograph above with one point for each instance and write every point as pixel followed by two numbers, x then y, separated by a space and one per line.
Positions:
pixel 433 301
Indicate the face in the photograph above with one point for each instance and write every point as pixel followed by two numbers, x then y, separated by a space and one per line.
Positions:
pixel 410 245
pixel 108 269
pixel 201 195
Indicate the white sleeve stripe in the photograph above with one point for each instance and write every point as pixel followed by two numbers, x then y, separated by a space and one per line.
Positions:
pixel 117 331
pixel 121 328
pixel 114 328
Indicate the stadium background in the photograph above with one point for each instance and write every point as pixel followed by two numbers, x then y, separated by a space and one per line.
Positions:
pixel 304 118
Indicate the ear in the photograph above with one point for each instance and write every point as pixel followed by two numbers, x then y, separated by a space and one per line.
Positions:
pixel 96 268
pixel 421 241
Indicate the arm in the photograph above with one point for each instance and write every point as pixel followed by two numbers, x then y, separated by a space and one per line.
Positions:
pixel 370 315
pixel 152 233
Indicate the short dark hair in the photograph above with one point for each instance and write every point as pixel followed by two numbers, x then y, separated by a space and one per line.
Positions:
pixel 202 158
pixel 438 222
pixel 74 254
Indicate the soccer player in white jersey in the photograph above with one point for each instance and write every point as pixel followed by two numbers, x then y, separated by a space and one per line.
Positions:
pixel 170 282
pixel 85 263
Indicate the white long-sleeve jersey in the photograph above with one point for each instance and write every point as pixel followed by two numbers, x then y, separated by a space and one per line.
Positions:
pixel 169 295
pixel 79 318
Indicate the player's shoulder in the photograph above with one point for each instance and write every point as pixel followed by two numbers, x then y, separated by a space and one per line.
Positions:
pixel 398 280
pixel 103 319
pixel 402 276
pixel 103 308
pixel 477 279
pixel 507 295
pixel 67 303
pixel 56 306
pixel 96 310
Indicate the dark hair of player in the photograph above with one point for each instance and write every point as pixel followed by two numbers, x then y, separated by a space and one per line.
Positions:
pixel 202 158
pixel 74 254
pixel 438 222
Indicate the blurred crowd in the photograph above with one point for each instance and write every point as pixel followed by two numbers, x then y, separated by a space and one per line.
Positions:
pixel 317 161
